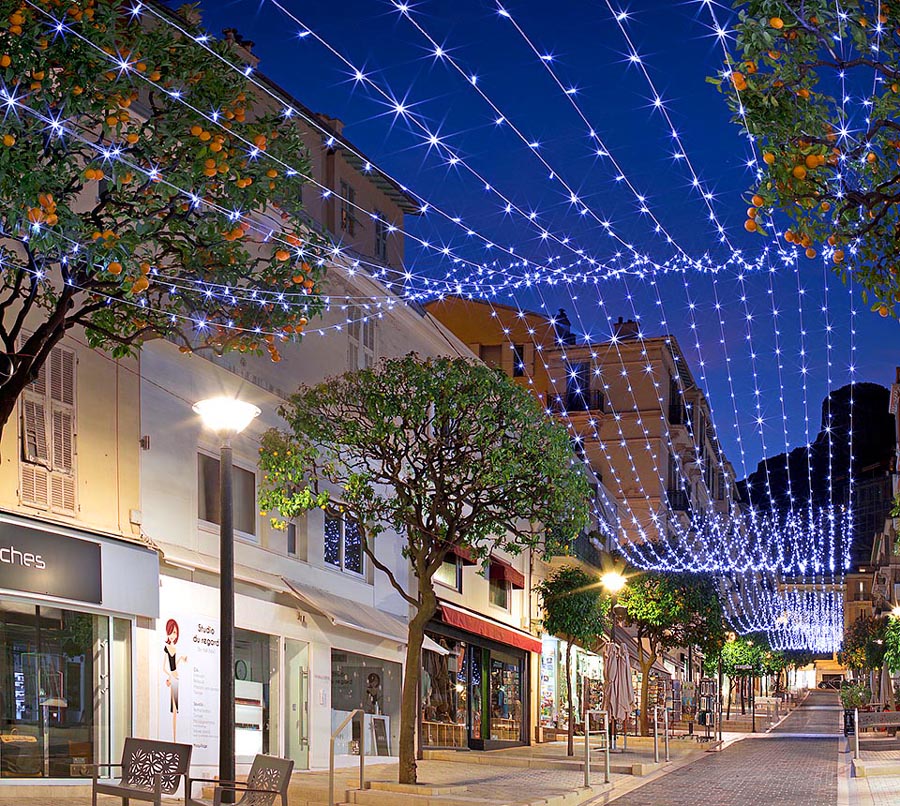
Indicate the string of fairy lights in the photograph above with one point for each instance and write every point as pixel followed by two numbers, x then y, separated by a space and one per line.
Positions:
pixel 778 566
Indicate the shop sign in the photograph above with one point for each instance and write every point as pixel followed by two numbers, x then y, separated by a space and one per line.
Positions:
pixel 50 564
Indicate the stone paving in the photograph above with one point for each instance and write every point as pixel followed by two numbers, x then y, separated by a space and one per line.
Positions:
pixel 781 768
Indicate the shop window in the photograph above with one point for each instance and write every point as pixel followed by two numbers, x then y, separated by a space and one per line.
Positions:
pixel 344 544
pixel 256 689
pixel 358 681
pixel 506 697
pixel 244 486
pixel 498 593
pixel 450 573
pixel 65 696
pixel 445 694
pixel 47 469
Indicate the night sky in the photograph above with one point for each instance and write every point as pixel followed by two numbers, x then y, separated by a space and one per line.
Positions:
pixel 590 54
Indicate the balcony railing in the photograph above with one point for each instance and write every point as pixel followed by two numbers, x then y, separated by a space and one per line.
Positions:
pixel 679 500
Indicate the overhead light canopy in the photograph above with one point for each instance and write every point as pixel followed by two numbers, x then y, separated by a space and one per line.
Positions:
pixel 226 416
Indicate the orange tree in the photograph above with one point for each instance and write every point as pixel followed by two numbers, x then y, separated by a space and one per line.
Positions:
pixel 126 213
pixel 830 164
pixel 444 453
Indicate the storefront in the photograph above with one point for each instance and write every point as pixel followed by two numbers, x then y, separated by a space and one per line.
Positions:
pixel 475 682
pixel 68 604
pixel 587 683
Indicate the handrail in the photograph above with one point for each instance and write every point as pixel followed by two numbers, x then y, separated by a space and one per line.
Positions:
pixel 362 751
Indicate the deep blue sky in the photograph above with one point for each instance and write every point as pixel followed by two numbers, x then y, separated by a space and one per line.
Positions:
pixel 589 53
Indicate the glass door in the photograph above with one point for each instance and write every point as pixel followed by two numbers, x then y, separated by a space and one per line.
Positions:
pixel 296 702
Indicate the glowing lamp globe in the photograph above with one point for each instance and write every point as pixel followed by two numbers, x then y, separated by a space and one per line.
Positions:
pixel 226 416
pixel 613 581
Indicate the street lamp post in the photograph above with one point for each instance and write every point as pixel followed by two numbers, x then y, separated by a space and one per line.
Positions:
pixel 613 582
pixel 226 417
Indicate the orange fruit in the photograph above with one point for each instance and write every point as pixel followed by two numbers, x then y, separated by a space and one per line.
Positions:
pixel 740 83
pixel 882 310
pixel 750 225
pixel 871 157
pixel 799 172
pixel 757 200
pixel 139 285
pixel 777 23
pixel 769 158
pixel 838 255
pixel 810 253
pixel 5 61
pixel 282 255
pixel 114 268
pixel 9 140
pixel 812 161
pixel 751 212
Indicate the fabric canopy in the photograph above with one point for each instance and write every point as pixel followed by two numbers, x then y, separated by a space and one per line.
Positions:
pixel 487 628
pixel 500 569
pixel 355 615
pixel 465 555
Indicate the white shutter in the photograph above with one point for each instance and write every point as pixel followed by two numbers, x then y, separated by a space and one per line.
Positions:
pixel 34 489
pixel 62 376
pixel 34 432
pixel 354 356
pixel 63 440
pixel 62 493
pixel 39 384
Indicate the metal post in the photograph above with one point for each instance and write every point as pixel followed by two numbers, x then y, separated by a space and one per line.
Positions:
pixel 226 618
pixel 720 698
pixel 331 771
pixel 656 734
pixel 606 733
pixel 362 750
pixel 666 731
pixel 587 748
pixel 856 733
pixel 752 705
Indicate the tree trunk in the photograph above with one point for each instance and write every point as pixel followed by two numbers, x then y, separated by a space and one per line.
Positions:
pixel 570 746
pixel 409 699
pixel 730 697
pixel 743 696
pixel 646 666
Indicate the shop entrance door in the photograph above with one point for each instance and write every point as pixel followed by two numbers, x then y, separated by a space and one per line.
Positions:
pixel 296 701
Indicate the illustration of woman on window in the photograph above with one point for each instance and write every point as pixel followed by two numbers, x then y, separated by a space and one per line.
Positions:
pixel 170 666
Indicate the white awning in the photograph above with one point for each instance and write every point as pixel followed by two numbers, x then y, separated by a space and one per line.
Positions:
pixel 356 616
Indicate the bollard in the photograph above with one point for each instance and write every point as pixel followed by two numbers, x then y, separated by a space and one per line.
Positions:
pixel 656 734
pixel 856 733
pixel 606 734
pixel 666 731
pixel 587 748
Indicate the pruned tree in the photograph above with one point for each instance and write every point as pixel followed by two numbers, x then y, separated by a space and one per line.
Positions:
pixel 817 85
pixel 671 610
pixel 575 611
pixel 864 644
pixel 144 192
pixel 440 454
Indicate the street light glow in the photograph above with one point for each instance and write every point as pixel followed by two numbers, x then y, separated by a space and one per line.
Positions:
pixel 226 416
pixel 613 581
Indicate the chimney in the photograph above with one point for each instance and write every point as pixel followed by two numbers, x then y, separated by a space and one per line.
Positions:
pixel 332 123
pixel 242 47
pixel 563 328
pixel 626 330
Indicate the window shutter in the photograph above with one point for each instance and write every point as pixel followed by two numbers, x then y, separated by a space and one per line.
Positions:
pixel 63 439
pixel 34 429
pixel 34 490
pixel 39 384
pixel 62 493
pixel 369 333
pixel 62 376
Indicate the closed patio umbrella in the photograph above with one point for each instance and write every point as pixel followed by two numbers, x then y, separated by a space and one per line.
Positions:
pixel 619 692
pixel 887 688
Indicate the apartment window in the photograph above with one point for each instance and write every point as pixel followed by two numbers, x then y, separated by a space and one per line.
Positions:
pixel 48 436
pixel 348 213
pixel 381 233
pixel 244 490
pixel 343 543
pixel 518 360
pixel 292 539
pixel 674 476
pixel 361 330
pixel 450 573
pixel 498 593
pixel 492 355
pixel 578 387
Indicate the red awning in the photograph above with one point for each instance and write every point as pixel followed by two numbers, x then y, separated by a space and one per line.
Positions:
pixel 487 628
pixel 503 570
pixel 465 555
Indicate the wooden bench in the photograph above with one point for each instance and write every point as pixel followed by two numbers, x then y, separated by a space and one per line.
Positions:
pixel 150 769
pixel 882 719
